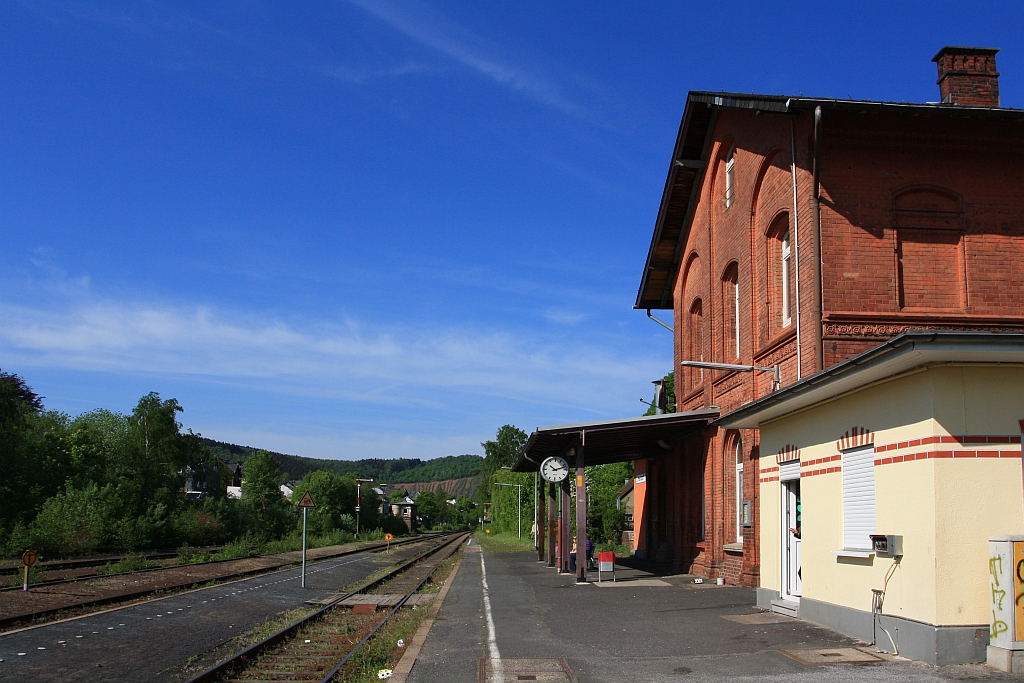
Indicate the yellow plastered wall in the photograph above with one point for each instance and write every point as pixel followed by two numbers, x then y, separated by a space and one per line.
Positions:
pixel 944 508
pixel 769 531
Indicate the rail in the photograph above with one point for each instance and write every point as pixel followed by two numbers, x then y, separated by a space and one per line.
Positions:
pixel 225 668
pixel 132 595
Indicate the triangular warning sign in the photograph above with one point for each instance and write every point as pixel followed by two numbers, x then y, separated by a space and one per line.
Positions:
pixel 307 501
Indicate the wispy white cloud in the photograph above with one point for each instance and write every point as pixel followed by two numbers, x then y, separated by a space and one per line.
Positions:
pixel 350 361
pixel 471 51
pixel 364 74
pixel 563 317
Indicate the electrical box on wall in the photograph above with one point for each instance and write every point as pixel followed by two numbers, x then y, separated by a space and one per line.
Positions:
pixel 887 544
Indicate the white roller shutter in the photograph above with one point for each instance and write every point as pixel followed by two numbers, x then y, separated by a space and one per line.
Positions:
pixel 858 497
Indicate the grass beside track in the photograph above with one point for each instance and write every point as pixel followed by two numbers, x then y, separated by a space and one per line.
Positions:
pixel 503 542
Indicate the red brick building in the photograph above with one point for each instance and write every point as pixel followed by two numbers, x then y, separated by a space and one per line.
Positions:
pixel 799 232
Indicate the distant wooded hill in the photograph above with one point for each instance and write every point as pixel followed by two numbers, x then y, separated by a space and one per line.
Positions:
pixel 390 471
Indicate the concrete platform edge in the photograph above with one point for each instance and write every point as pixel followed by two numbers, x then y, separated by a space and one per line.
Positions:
pixel 408 660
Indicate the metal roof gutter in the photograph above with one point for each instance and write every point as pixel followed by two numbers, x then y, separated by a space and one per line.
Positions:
pixel 911 349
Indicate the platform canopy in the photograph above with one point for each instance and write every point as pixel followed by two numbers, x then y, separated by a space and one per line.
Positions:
pixel 631 438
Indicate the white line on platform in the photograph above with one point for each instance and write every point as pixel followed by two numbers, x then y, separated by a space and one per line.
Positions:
pixel 492 642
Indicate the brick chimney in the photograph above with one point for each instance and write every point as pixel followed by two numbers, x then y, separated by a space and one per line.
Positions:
pixel 968 76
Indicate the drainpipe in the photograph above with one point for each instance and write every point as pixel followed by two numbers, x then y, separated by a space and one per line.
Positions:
pixel 796 243
pixel 819 355
pixel 660 322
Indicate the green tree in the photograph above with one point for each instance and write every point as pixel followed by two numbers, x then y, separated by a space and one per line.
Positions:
pixel 428 508
pixel 604 521
pixel 262 483
pixel 503 451
pixel 335 498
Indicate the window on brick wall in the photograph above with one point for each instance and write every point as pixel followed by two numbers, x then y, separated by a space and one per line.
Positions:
pixel 730 313
pixel 738 451
pixel 781 274
pixel 695 340
pixel 786 270
pixel 730 178
pixel 929 249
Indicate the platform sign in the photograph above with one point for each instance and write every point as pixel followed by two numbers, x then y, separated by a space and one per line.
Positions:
pixel 307 501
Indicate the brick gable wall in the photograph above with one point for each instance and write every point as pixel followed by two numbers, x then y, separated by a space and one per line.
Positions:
pixel 962 268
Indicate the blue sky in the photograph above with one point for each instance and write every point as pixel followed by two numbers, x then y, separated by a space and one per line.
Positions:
pixel 376 229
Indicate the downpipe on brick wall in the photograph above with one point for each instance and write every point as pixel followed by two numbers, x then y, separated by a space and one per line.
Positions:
pixel 660 322
pixel 819 360
pixel 796 243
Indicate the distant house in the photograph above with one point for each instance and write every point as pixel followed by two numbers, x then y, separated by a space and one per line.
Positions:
pixel 288 488
pixel 200 483
pixel 385 504
pixel 235 484
pixel 406 509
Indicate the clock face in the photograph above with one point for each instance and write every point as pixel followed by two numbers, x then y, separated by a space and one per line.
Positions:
pixel 554 469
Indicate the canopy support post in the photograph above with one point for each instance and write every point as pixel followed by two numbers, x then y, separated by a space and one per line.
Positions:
pixel 538 522
pixel 581 513
pixel 564 530
pixel 552 523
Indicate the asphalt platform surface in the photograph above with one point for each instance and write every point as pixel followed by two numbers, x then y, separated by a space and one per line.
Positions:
pixel 634 632
pixel 140 642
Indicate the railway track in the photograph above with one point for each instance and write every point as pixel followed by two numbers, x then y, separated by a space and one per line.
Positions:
pixel 317 647
pixel 15 616
pixel 80 567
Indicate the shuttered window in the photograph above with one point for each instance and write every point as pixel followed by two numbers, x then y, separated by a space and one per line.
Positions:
pixel 858 497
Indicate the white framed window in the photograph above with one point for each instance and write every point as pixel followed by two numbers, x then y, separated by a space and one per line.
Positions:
pixel 730 179
pixel 786 266
pixel 858 497
pixel 739 491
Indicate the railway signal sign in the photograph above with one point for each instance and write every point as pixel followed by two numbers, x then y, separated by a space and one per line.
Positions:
pixel 305 503
pixel 28 558
pixel 388 537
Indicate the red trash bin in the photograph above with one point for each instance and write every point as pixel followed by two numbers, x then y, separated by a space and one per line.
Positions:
pixel 605 563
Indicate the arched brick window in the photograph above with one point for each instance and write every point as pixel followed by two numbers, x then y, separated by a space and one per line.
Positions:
pixel 730 178
pixel 730 298
pixel 782 273
pixel 929 248
pixel 695 343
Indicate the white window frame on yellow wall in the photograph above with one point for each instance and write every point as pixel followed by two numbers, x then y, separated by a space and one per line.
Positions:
pixel 858 498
